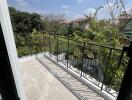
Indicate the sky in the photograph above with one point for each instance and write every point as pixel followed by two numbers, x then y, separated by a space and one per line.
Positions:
pixel 72 9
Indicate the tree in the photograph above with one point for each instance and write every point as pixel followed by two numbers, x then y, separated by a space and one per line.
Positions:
pixel 54 23
pixel 24 22
pixel 70 30
pixel 27 27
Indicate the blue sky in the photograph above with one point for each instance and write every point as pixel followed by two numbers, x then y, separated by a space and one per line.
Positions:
pixel 71 8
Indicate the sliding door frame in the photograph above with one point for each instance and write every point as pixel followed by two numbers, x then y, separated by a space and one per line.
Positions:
pixel 10 52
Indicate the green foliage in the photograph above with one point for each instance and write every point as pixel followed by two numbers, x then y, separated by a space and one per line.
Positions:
pixel 24 22
pixel 69 51
pixel 26 27
pixel 70 30
pixel 23 51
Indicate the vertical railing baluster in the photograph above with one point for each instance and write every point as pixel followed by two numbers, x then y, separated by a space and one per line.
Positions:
pixel 49 45
pixel 121 57
pixel 35 44
pixel 83 50
pixel 69 51
pixel 43 44
pixel 57 49
pixel 31 46
pixel 106 67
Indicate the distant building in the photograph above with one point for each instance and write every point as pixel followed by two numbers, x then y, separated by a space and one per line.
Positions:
pixel 81 23
pixel 125 23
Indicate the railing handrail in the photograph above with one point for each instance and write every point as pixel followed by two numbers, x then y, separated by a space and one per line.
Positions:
pixel 110 47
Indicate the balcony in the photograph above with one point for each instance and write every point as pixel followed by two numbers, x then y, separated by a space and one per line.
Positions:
pixel 70 70
pixel 47 81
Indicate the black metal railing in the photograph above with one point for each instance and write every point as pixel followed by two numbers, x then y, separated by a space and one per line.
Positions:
pixel 102 65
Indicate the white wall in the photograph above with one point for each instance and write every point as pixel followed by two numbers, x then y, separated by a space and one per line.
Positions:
pixel 11 47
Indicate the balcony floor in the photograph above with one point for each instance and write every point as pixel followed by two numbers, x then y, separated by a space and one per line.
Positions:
pixel 47 81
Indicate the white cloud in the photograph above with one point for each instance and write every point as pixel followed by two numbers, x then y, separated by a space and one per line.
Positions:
pixel 79 1
pixel 65 9
pixel 64 6
pixel 22 3
pixel 89 11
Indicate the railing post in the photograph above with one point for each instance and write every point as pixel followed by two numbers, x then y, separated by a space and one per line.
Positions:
pixel 125 92
pixel 69 51
pixel 35 44
pixel 49 45
pixel 107 64
pixel 57 48
pixel 43 43
pixel 121 56
pixel 83 50
pixel 32 47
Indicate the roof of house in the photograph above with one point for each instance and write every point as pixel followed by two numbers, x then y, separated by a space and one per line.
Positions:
pixel 80 19
pixel 125 16
pixel 75 20
pixel 66 21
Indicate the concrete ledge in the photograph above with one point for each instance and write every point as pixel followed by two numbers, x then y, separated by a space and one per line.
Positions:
pixel 28 57
pixel 92 86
